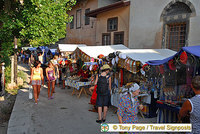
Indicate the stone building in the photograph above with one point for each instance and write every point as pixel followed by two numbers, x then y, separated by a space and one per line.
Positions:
pixel 136 23
pixel 164 23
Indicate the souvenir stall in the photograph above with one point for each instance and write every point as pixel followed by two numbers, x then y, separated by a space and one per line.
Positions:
pixel 87 60
pixel 127 67
pixel 172 77
pixel 66 49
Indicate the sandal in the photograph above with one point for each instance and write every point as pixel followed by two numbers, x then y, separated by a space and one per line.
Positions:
pixel 99 121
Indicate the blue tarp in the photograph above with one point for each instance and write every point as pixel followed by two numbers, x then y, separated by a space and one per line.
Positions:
pixel 90 63
pixel 194 50
pixel 32 49
pixel 43 48
pixel 53 51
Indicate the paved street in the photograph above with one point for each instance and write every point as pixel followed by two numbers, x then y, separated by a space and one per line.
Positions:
pixel 65 114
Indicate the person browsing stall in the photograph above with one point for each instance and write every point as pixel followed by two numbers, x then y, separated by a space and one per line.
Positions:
pixel 40 57
pixel 55 64
pixel 129 105
pixel 191 107
pixel 103 82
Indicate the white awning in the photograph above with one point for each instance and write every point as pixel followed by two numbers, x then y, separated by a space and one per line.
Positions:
pixel 95 51
pixel 69 47
pixel 144 55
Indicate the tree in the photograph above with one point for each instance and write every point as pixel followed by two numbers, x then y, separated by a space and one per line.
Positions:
pixel 10 18
pixel 34 22
pixel 45 20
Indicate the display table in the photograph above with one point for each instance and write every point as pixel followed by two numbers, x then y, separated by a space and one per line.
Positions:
pixel 77 86
pixel 167 113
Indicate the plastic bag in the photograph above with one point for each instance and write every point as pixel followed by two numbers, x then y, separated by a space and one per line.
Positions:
pixel 30 92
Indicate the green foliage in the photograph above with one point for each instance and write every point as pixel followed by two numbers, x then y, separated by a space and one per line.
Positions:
pixel 7 50
pixel 11 20
pixel 45 20
pixel 34 22
pixel 8 74
pixel 22 75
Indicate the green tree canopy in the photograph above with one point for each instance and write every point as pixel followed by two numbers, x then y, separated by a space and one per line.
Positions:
pixel 34 22
pixel 44 21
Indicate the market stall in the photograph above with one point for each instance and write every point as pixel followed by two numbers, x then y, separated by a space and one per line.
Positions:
pixel 66 49
pixel 172 77
pixel 89 52
pixel 87 59
pixel 127 67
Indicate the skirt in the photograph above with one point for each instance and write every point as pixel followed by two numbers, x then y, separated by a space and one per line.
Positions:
pixel 36 82
pixel 103 100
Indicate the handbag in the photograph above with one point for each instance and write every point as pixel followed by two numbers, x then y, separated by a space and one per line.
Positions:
pixel 30 92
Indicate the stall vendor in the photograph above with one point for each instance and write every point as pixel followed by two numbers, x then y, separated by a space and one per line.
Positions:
pixel 129 105
pixel 191 107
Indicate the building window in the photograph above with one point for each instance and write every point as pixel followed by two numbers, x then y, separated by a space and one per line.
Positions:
pixel 72 22
pixel 176 36
pixel 87 19
pixel 112 24
pixel 78 18
pixel 118 37
pixel 176 20
pixel 106 39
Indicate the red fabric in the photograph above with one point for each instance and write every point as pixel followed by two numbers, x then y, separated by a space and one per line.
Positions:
pixel 171 65
pixel 71 69
pixel 80 72
pixel 94 96
pixel 183 57
pixel 100 56
pixel 161 67
pixel 144 66
pixel 121 84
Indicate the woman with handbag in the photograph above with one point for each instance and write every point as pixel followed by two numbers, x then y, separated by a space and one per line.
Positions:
pixel 36 79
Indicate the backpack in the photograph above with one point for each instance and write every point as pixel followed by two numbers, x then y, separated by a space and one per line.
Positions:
pixel 102 85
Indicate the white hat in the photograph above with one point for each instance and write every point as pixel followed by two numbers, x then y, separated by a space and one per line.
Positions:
pixel 134 87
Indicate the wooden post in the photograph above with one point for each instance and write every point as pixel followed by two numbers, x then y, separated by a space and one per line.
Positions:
pixel 3 78
pixel 12 69
pixel 15 60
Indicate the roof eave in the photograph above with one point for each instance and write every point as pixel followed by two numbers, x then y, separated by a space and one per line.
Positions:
pixel 116 5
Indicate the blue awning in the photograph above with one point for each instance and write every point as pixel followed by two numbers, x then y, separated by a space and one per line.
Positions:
pixel 194 50
pixel 90 63
pixel 53 51
pixel 32 49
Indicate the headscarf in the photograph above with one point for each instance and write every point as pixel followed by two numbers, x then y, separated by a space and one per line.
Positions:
pixel 130 89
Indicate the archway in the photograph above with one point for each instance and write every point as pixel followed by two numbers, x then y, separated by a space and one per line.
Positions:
pixel 175 17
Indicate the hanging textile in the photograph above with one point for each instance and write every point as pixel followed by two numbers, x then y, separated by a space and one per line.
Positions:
pixel 121 72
